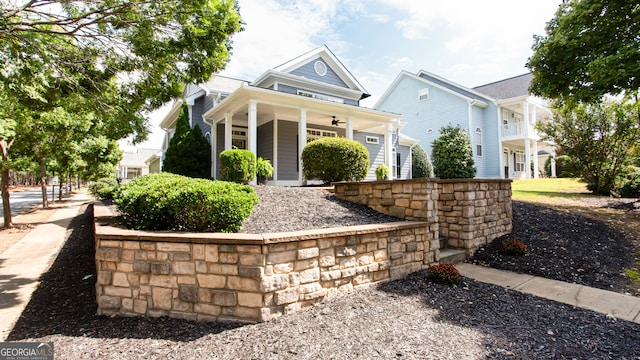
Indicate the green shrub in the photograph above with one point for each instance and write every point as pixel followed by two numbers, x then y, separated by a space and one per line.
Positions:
pixel 335 159
pixel 238 166
pixel 189 153
pixel 382 172
pixel 172 202
pixel 264 169
pixel 104 188
pixel 452 154
pixel 630 183
pixel 513 247
pixel 421 166
pixel 444 274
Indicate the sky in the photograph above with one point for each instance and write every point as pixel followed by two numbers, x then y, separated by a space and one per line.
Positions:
pixel 468 42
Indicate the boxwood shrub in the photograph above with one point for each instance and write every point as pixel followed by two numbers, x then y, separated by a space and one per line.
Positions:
pixel 237 166
pixel 335 159
pixel 173 202
pixel 104 188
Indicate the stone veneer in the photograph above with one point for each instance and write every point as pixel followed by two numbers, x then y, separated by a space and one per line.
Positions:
pixel 469 212
pixel 244 277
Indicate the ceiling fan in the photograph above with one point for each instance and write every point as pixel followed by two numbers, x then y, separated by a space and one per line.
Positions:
pixel 336 122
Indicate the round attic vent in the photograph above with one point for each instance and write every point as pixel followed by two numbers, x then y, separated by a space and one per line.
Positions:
pixel 320 68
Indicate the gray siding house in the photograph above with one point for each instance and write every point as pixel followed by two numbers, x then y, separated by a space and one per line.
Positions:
pixel 275 116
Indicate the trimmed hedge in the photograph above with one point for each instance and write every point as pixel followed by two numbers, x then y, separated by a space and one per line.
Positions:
pixel 104 188
pixel 335 159
pixel 421 166
pixel 173 202
pixel 237 166
pixel 452 155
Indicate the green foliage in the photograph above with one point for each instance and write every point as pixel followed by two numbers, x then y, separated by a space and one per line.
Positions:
pixel 421 166
pixel 598 138
pixel 452 154
pixel 591 48
pixel 189 153
pixel 513 247
pixel 382 172
pixel 237 166
pixel 630 183
pixel 565 167
pixel 335 159
pixel 264 169
pixel 104 188
pixel 444 274
pixel 173 202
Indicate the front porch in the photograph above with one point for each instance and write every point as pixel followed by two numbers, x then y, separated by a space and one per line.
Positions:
pixel 276 126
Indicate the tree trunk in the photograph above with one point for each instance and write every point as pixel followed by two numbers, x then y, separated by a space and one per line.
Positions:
pixel 4 182
pixel 43 184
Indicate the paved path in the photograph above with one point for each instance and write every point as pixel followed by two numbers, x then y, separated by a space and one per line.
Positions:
pixel 625 307
pixel 22 264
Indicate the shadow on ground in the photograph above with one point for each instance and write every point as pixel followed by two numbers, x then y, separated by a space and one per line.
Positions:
pixel 64 303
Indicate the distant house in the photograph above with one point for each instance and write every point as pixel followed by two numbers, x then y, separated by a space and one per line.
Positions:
pixel 133 164
pixel 275 116
pixel 499 118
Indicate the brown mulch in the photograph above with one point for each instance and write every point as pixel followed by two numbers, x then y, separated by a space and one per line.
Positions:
pixel 410 318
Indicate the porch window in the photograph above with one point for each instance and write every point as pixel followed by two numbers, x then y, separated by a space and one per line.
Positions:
pixel 239 138
pixel 505 119
pixel 398 166
pixel 313 134
pixel 519 161
pixel 478 142
pixel 394 162
pixel 372 140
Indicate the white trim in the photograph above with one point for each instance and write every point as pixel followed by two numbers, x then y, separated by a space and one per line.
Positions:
pixel 320 68
pixel 275 147
pixel 314 95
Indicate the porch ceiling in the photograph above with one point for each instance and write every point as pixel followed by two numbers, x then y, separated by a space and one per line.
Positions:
pixel 273 104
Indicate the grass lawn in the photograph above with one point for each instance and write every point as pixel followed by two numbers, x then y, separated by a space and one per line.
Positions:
pixel 557 191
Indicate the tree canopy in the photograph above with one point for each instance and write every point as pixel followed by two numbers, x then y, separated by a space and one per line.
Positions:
pixel 591 48
pixel 599 139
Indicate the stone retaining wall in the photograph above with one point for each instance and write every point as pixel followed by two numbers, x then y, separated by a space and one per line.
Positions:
pixel 243 277
pixel 469 212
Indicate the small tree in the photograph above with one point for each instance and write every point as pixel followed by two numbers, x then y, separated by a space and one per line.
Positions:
pixel 189 153
pixel 335 159
pixel 421 166
pixel 452 154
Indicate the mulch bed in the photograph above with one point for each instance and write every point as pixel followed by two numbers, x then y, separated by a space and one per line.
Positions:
pixel 567 247
pixel 410 318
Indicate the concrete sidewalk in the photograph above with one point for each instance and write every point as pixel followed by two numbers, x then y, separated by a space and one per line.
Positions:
pixel 621 306
pixel 22 264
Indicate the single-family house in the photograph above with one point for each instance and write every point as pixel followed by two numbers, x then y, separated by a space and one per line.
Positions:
pixel 134 164
pixel 275 116
pixel 499 118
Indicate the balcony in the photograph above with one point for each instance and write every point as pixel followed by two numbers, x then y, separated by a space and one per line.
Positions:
pixel 517 130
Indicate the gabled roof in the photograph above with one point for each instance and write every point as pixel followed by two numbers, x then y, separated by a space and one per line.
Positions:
pixel 137 158
pixel 328 57
pixel 508 88
pixel 473 97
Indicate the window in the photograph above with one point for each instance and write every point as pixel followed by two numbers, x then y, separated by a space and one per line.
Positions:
pixel 313 134
pixel 398 166
pixel 207 136
pixel 320 68
pixel 394 161
pixel 372 140
pixel 423 94
pixel 519 160
pixel 478 142
pixel 239 138
pixel 320 96
pixel 133 173
pixel 505 118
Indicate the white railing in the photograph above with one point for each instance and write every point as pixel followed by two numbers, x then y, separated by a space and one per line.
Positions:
pixel 516 129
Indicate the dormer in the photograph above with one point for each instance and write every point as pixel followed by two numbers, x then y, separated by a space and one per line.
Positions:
pixel 317 74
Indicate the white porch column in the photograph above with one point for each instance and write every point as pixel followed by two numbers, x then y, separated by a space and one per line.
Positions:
pixel 302 141
pixel 388 148
pixel 535 160
pixel 252 132
pixel 527 158
pixel 525 113
pixel 274 161
pixel 553 164
pixel 227 131
pixel 500 153
pixel 349 129
pixel 214 141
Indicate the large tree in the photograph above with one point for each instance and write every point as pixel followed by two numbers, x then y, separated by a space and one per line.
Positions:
pixel 119 57
pixel 598 138
pixel 591 48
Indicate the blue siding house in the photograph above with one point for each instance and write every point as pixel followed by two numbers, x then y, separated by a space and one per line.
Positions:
pixel 499 118
pixel 275 116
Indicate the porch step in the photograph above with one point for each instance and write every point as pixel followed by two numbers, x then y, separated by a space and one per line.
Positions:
pixel 452 256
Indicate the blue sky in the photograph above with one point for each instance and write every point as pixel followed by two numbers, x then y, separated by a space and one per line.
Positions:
pixel 468 42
